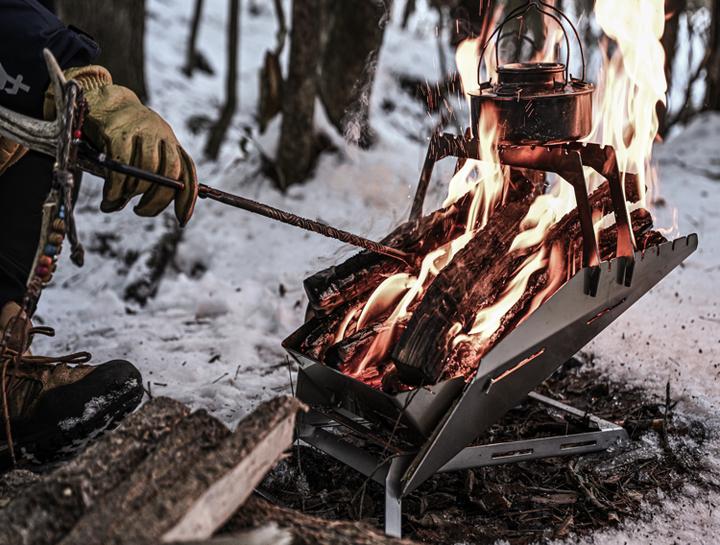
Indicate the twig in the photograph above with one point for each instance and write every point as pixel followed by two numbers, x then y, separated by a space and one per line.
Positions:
pixel 589 494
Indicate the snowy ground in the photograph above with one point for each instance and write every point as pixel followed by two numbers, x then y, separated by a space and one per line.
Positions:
pixel 213 339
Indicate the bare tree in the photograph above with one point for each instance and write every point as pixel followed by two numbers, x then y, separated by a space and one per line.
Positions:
pixel 296 149
pixel 712 94
pixel 191 55
pixel 218 130
pixel 270 78
pixel 119 28
pixel 674 10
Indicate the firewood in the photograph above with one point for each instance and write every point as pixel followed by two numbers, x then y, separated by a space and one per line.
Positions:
pixel 362 273
pixel 473 280
pixel 422 349
pixel 353 347
pixel 46 510
pixel 193 481
pixel 464 358
pixel 309 530
pixel 234 470
pixel 171 459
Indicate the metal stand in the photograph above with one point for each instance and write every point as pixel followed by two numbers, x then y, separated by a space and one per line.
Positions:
pixel 388 470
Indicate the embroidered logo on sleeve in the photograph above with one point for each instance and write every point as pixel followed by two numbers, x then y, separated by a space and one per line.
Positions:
pixel 11 85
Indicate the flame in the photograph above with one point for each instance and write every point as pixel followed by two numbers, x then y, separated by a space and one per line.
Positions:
pixel 631 84
pixel 484 179
pixel 488 320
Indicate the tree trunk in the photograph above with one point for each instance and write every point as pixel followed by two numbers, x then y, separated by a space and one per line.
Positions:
pixel 712 95
pixel 296 149
pixel 356 29
pixel 218 130
pixel 191 55
pixel 673 10
pixel 119 28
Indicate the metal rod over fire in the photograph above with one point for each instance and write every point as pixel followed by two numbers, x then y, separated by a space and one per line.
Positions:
pixel 99 163
pixel 43 136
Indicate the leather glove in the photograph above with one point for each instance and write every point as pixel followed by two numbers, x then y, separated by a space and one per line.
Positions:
pixel 10 153
pixel 121 126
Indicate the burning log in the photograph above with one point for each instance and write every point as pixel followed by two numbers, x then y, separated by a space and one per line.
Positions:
pixel 464 357
pixel 474 280
pixel 335 286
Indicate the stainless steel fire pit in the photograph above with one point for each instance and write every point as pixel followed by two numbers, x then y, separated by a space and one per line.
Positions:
pixel 445 418
pixel 436 425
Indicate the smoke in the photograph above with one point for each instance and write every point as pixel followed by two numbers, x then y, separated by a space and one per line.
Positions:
pixel 356 118
pixel 356 123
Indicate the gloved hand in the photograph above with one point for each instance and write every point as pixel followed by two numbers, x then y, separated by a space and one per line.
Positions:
pixel 127 131
pixel 10 153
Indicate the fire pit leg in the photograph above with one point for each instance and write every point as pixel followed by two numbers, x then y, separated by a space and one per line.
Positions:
pixel 393 501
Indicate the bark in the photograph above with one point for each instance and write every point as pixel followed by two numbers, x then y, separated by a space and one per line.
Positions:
pixel 179 450
pixel 356 29
pixel 45 511
pixel 119 28
pixel 296 151
pixel 712 94
pixel 219 129
pixel 309 530
pixel 461 289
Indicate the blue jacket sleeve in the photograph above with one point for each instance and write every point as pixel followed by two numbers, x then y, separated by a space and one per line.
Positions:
pixel 26 28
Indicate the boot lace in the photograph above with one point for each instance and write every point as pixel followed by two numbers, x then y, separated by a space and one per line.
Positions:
pixel 14 352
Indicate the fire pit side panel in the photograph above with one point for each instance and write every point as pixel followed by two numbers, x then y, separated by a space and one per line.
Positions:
pixel 533 351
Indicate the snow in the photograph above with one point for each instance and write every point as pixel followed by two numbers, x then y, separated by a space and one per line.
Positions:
pixel 212 339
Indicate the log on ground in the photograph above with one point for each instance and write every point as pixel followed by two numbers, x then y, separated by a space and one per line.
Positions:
pixel 46 510
pixel 194 481
pixel 171 459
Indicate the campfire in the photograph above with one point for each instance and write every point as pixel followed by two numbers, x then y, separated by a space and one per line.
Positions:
pixel 544 239
pixel 517 223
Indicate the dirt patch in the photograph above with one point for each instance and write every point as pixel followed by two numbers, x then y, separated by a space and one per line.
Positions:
pixel 529 501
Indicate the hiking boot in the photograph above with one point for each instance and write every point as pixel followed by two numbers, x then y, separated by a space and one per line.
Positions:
pixel 56 405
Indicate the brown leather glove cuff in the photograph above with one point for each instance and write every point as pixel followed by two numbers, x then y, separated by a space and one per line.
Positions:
pixel 90 78
pixel 10 153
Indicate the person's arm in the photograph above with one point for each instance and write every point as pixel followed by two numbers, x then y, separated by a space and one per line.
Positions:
pixel 117 122
pixel 26 28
